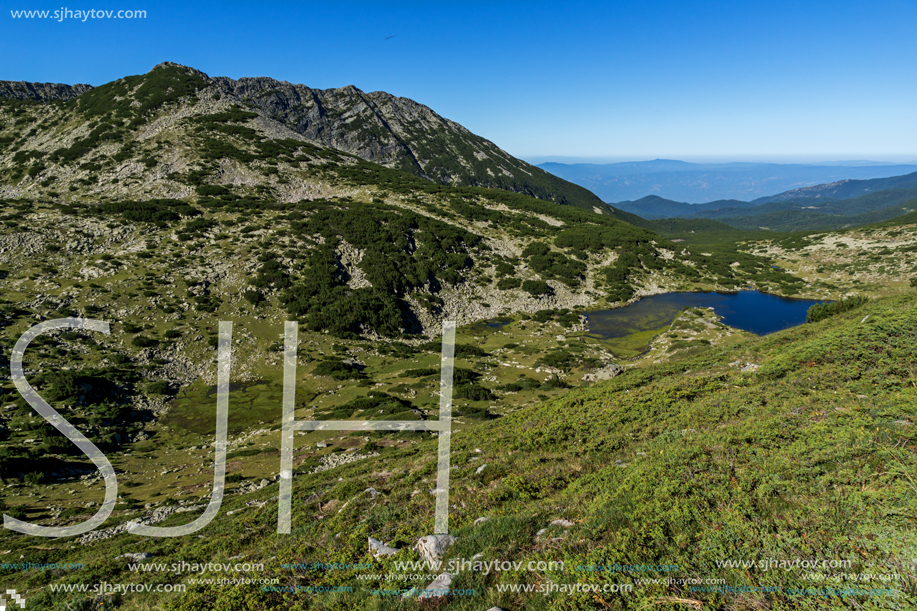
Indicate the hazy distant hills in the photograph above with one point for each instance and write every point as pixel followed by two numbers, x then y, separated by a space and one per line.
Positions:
pixel 655 207
pixel 844 189
pixel 695 182
pixel 824 207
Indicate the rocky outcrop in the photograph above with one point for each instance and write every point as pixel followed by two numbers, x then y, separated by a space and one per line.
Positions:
pixel 379 549
pixel 400 133
pixel 42 92
pixel 433 547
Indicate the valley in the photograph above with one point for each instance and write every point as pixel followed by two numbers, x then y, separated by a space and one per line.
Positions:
pixel 168 202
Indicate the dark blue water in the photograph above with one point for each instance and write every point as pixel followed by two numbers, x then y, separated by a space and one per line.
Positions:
pixel 752 311
pixel 496 323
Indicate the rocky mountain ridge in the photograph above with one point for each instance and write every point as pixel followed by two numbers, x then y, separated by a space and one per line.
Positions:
pixel 379 127
pixel 42 92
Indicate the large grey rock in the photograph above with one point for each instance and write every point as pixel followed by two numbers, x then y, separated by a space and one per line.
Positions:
pixel 438 587
pixel 605 373
pixel 433 547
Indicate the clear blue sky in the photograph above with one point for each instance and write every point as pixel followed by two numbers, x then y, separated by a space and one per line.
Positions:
pixel 689 80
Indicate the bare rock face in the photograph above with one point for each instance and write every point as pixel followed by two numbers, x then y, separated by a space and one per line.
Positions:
pixel 399 133
pixel 334 117
pixel 43 92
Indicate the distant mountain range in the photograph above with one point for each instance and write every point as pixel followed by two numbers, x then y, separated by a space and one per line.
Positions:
pixel 830 206
pixel 697 182
pixel 844 189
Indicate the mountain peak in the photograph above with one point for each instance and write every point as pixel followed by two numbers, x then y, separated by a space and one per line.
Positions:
pixel 181 67
pixel 392 131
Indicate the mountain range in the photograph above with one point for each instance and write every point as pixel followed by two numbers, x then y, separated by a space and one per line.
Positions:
pixel 837 205
pixel 168 203
pixel 406 243
pixel 393 131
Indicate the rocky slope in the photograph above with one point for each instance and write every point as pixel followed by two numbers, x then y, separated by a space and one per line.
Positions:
pixel 392 131
pixel 395 253
pixel 43 92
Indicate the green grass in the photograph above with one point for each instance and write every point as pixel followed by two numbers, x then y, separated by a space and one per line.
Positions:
pixel 685 463
pixel 250 404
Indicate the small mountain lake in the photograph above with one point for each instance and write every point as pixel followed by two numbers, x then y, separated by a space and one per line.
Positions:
pixel 632 328
pixel 496 323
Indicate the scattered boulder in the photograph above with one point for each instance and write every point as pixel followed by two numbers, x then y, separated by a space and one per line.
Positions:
pixel 746 366
pixel 605 373
pixel 433 547
pixel 438 587
pixel 378 548
pixel 136 556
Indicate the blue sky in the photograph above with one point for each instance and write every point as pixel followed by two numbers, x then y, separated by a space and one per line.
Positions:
pixel 688 80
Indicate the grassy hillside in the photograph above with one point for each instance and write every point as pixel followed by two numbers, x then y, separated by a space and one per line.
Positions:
pixel 875 259
pixel 815 220
pixel 655 207
pixel 703 231
pixel 804 454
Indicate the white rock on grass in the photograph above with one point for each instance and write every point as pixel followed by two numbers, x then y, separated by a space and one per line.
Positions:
pixel 380 549
pixel 136 556
pixel 433 547
pixel 438 587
